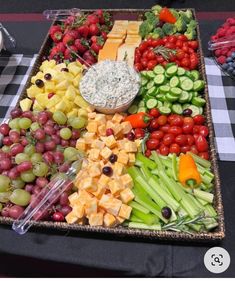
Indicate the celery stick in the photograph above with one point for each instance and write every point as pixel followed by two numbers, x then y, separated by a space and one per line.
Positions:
pixel 209 223
pixel 148 219
pixel 155 172
pixel 203 186
pixel 163 186
pixel 134 219
pixel 206 179
pixel 186 204
pixel 174 167
pixel 146 161
pixel 201 161
pixel 182 213
pixel 144 226
pixel 195 227
pixel 209 174
pixel 196 202
pixel 173 216
pixel 169 200
pixel 157 160
pixel 168 172
pixel 138 163
pixel 206 196
pixel 210 210
pixel 211 226
pixel 145 171
pixel 139 207
pixel 203 202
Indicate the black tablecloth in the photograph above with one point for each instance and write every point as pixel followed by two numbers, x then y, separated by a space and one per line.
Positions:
pixel 118 256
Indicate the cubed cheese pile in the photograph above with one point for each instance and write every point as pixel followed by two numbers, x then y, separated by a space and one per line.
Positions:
pixel 103 199
pixel 59 92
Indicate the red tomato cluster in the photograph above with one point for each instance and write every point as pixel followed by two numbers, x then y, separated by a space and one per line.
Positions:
pixel 175 134
pixel 184 52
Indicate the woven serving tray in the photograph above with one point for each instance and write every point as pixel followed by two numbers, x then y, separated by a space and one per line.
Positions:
pixel 217 234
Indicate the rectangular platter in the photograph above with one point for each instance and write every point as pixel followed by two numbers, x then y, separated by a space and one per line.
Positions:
pixel 218 233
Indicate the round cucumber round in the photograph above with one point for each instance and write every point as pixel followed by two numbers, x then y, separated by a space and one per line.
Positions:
pixel 151 103
pixel 133 109
pixel 174 82
pixel 164 89
pixel 172 70
pixel 164 110
pixel 159 79
pixel 177 108
pixel 198 85
pixel 159 69
pixel 171 98
pixel 175 91
pixel 187 84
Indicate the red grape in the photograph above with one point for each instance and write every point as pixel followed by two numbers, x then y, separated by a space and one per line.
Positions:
pixel 5 164
pixel 13 173
pixel 41 182
pixel 50 123
pixel 64 199
pixel 72 143
pixel 48 157
pixel 3 155
pixel 65 210
pixel 4 173
pixel 50 145
pixel 36 190
pixel 64 168
pixel 42 117
pixel 17 148
pixel 15 211
pixel 39 134
pixel 23 132
pixel 75 134
pixel 24 166
pixel 16 112
pixel 24 141
pixel 58 216
pixel 4 129
pixel 28 114
pixel 58 157
pixel 29 187
pixel 56 139
pixel 7 141
pixel 14 136
pixel 39 147
pixel 56 127
pixel 64 143
pixel 49 114
pixel 49 130
pixel 5 212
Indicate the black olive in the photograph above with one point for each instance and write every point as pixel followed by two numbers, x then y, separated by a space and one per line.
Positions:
pixel 166 212
pixel 65 69
pixel 130 136
pixel 47 76
pixel 187 112
pixel 108 171
pixel 113 158
pixel 39 83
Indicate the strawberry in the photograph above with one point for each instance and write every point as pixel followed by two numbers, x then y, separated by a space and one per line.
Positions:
pixel 68 39
pixel 57 36
pixel 96 47
pixel 221 32
pixel 74 33
pixel 81 45
pixel 214 38
pixel 217 52
pixel 221 59
pixel 94 30
pixel 87 56
pixel 230 21
pixel 94 39
pixel 83 31
pixel 69 53
pixel 70 20
pixel 104 35
pixel 53 52
pixel 224 51
pixel 229 54
pixel 54 29
pixel 60 47
pixel 92 19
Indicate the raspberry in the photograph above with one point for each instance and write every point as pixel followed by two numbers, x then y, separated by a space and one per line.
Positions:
pixel 221 59
pixel 218 53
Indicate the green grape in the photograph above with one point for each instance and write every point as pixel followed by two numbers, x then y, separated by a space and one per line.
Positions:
pixel 25 123
pixel 14 123
pixel 20 197
pixel 4 196
pixel 21 157
pixel 70 153
pixel 4 183
pixel 34 126
pixel 40 169
pixel 36 157
pixel 1 207
pixel 28 176
pixel 6 148
pixel 59 117
pixel 70 119
pixel 17 183
pixel 65 133
pixel 78 122
pixel 30 149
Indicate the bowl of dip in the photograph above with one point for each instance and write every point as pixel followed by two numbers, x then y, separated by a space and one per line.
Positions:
pixel 110 86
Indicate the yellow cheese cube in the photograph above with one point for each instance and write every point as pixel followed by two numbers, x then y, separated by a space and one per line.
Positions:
pixel 94 170
pixel 115 186
pixel 127 181
pixel 71 218
pixel 106 152
pixel 102 130
pixel 109 141
pixel 99 192
pixel 121 144
pixel 125 211
pixel 94 154
pixel 118 130
pixel 92 127
pixel 91 115
pixel 78 210
pixel 117 118
pixel 96 219
pixel 91 207
pixel 115 150
pixel 118 168
pixel 119 220
pixel 81 144
pixel 100 118
pixel 109 220
pixel 130 146
pixel 73 198
pixel 138 142
pixel 126 127
pixel 103 180
pixel 84 196
pixel 110 204
pixel 98 144
pixel 122 157
pixel 110 125
pixel 86 183
pixel 89 137
pixel 131 158
pixel 127 195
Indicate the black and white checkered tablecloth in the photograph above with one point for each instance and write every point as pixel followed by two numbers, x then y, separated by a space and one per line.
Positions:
pixel 14 71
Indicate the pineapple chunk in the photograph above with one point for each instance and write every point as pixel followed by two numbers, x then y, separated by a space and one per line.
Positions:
pixel 49 86
pixel 33 91
pixel 70 94
pixel 61 106
pixel 80 102
pixel 62 85
pixel 53 101
pixel 37 106
pixel 26 104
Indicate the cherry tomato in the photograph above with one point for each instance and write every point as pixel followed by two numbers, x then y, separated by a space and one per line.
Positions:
pixel 187 128
pixel 171 117
pixel 188 120
pixel 152 144
pixel 203 131
pixel 137 57
pixel 180 54
pixel 185 44
pixel 143 46
pixel 144 62
pixel 190 51
pixel 148 153
pixel 160 59
pixel 165 128
pixel 138 66
pixel 193 44
pixel 151 64
pixel 204 155
pixel 195 136
pixel 181 140
pixel 155 43
pixel 165 39
pixel 194 61
pixel 190 139
pixel 177 120
pixel 157 135
pixel 154 112
pixel 139 133
pixel 150 41
pixel 151 55
pixel 193 149
pixel 175 130
pixel 201 144
pixel 168 139
pixel 145 54
pixel 185 148
pixel 182 38
pixel 179 43
pixel 172 39
pixel 185 49
pixel 154 124
pixel 199 119
pixel 185 62
pixel 162 120
pixel 175 148
pixel 164 150
pixel 170 45
pixel 196 129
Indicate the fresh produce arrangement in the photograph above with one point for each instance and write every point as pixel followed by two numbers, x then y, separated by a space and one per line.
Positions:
pixel 81 36
pixel 170 89
pixel 161 21
pixel 128 96
pixel 173 48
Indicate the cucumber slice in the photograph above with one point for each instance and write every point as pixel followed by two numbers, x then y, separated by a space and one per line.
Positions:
pixel 195 74
pixel 184 97
pixel 195 94
pixel 164 110
pixel 151 103
pixel 167 104
pixel 171 98
pixel 160 97
pixel 159 103
pixel 142 109
pixel 187 84
pixel 159 79
pixel 150 74
pixel 133 109
pixel 164 89
pixel 190 96
pixel 180 71
pixel 188 74
pixel 198 85
pixel 175 91
pixel 150 85
pixel 198 101
pixel 144 81
pixel 159 69
pixel 142 91
pixel 171 64
pixel 177 108
pixel 182 78
pixel 186 105
pixel 174 82
pixel 201 110
pixel 195 110
pixel 152 91
pixel 172 70
pixel 141 104
pixel 144 73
